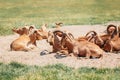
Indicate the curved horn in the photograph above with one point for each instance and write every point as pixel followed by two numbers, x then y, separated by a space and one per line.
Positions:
pixel 70 34
pixel 35 31
pixel 58 32
pixel 94 33
pixel 115 29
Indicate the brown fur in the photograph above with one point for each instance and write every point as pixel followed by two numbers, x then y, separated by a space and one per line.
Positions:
pixel 54 40
pixel 111 29
pixel 27 42
pixel 100 40
pixel 82 48
pixel 93 37
pixel 113 44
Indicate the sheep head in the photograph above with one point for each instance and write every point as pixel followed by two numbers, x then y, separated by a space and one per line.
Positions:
pixel 18 31
pixel 68 41
pixel 54 39
pixel 112 30
pixel 24 30
pixel 52 36
pixel 94 38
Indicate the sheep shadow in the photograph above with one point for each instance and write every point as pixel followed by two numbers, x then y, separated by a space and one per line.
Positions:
pixel 59 56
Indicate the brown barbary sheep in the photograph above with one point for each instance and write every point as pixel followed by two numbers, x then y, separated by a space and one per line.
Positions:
pixel 92 37
pixel 112 29
pixel 100 40
pixel 27 42
pixel 54 40
pixel 113 44
pixel 81 48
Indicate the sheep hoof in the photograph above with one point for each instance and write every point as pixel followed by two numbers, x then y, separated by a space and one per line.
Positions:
pixel 44 52
pixel 60 56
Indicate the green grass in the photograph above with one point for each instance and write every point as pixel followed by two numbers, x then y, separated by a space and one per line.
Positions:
pixel 17 13
pixel 16 71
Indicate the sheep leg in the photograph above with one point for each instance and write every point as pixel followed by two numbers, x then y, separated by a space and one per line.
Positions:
pixel 75 52
pixel 29 47
pixel 111 48
pixel 64 52
pixel 88 53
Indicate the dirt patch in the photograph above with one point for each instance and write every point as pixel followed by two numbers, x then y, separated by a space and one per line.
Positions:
pixel 110 60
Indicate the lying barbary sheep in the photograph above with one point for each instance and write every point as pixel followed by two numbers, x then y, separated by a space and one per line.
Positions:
pixel 92 37
pixel 111 31
pixel 27 42
pixel 100 40
pixel 81 48
pixel 54 39
pixel 113 44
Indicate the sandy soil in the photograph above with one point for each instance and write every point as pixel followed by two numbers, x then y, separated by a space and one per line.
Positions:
pixel 110 60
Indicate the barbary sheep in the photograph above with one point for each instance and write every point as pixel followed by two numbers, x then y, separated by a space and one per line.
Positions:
pixel 27 42
pixel 113 44
pixel 54 39
pixel 81 48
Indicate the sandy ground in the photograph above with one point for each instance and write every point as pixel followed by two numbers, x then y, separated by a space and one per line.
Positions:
pixel 110 60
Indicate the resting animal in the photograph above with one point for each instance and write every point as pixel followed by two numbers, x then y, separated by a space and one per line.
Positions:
pixel 100 40
pixel 81 48
pixel 113 44
pixel 26 42
pixel 54 39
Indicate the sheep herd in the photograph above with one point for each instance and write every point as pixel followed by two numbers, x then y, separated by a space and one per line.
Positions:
pixel 92 45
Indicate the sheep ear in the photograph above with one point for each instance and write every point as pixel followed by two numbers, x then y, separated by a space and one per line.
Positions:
pixel 50 33
pixel 32 27
pixel 44 27
pixel 14 29
pixel 38 32
pixel 35 31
